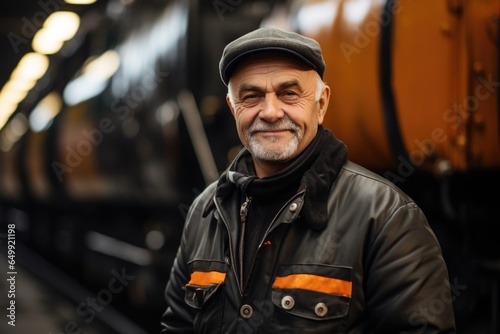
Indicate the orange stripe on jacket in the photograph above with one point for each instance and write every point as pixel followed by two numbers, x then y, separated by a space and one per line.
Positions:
pixel 206 278
pixel 315 283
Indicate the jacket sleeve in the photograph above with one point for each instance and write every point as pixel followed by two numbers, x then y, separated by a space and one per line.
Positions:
pixel 407 285
pixel 178 317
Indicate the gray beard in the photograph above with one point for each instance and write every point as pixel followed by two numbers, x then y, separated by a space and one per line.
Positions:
pixel 262 152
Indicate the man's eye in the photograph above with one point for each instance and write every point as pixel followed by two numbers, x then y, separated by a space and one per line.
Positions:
pixel 249 97
pixel 289 94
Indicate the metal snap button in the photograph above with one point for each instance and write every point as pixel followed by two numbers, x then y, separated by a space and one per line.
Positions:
pixel 321 310
pixel 246 311
pixel 287 302
pixel 293 207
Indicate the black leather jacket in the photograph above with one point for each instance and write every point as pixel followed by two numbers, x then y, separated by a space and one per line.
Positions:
pixel 375 268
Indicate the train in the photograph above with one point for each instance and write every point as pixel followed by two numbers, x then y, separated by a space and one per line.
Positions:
pixel 100 162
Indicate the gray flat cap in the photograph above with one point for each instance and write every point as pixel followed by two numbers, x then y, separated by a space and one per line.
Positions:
pixel 305 49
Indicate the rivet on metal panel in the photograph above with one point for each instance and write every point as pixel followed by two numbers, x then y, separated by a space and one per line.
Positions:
pixel 477 67
pixel 461 141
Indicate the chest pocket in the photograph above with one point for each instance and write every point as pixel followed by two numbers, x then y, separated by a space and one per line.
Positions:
pixel 313 292
pixel 206 279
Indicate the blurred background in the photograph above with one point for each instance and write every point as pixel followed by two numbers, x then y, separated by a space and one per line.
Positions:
pixel 113 118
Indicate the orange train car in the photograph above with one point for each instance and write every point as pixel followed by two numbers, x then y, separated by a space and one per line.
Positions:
pixel 415 84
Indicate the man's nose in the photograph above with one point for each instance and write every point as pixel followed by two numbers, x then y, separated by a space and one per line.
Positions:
pixel 271 108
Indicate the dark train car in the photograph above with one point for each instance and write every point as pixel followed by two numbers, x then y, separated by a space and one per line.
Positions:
pixel 100 162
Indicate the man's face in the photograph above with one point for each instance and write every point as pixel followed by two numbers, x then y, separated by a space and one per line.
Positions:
pixel 275 108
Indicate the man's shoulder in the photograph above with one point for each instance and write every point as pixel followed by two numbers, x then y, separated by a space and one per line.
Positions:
pixel 206 195
pixel 356 169
pixel 353 174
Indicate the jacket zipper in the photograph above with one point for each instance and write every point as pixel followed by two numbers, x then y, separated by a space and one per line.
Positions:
pixel 243 218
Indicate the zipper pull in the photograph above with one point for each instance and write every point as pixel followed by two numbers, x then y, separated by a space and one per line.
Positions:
pixel 244 209
pixel 243 217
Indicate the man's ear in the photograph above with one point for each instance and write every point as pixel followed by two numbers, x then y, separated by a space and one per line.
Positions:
pixel 228 101
pixel 323 104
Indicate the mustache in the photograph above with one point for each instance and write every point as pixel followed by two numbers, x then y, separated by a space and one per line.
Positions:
pixel 284 124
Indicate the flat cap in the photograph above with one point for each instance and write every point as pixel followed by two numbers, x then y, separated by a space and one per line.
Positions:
pixel 305 49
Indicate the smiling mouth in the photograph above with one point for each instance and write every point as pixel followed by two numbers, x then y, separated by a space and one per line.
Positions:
pixel 272 136
pixel 271 131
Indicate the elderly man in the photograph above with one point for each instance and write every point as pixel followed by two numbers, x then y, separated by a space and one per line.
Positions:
pixel 294 238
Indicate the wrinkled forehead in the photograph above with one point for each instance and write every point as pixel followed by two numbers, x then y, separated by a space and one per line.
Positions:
pixel 272 57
